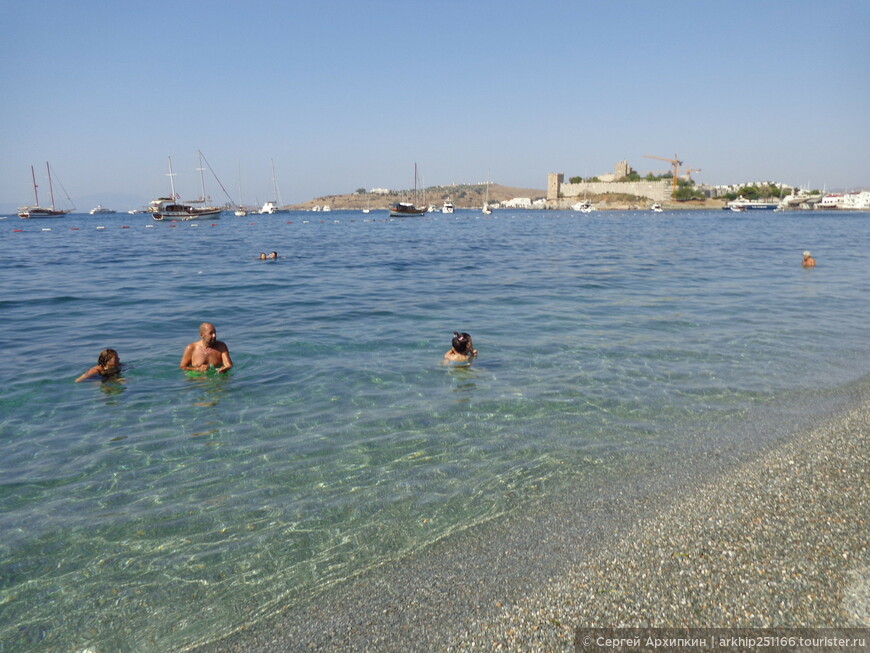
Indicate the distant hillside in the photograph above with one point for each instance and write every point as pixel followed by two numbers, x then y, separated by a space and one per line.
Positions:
pixel 464 196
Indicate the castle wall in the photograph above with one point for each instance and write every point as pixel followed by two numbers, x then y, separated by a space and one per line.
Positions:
pixel 657 191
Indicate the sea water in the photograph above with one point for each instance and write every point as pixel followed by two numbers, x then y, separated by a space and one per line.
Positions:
pixel 155 511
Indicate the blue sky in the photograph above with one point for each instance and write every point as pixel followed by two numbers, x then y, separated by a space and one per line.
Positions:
pixel 346 94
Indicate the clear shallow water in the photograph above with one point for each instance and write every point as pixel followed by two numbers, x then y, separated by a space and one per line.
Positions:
pixel 161 511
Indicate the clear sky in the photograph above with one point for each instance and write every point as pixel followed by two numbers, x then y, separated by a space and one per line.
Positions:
pixel 347 94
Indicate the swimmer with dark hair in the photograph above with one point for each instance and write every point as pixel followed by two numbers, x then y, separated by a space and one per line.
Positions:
pixel 462 349
pixel 108 366
pixel 273 255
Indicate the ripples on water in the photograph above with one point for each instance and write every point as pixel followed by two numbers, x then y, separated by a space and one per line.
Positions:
pixel 145 514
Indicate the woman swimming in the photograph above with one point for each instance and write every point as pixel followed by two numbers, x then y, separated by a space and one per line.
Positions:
pixel 462 349
pixel 108 366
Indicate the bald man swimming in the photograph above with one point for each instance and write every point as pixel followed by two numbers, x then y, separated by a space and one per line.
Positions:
pixel 207 352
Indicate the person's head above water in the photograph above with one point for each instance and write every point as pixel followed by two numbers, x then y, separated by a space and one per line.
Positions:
pixel 208 333
pixel 273 255
pixel 108 357
pixel 461 343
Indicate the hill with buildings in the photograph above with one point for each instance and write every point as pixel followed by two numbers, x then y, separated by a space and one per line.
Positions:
pixel 464 196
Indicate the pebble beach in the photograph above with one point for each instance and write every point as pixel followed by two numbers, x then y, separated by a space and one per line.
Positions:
pixel 778 541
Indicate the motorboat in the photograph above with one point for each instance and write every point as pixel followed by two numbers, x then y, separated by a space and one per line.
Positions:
pixel 271 208
pixel 101 210
pixel 448 207
pixel 584 207
pixel 656 208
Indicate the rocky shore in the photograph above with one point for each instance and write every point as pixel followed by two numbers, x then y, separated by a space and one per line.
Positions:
pixel 777 539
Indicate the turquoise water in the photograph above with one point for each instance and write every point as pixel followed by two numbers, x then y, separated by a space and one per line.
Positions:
pixel 158 511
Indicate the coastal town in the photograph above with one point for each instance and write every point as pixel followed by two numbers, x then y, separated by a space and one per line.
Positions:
pixel 622 189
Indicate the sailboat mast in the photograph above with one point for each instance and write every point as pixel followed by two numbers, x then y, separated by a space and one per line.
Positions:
pixel 240 185
pixel 171 176
pixel 201 179
pixel 50 188
pixel 35 192
pixel 278 200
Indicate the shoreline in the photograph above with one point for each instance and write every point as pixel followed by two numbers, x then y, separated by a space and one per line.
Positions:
pixel 774 537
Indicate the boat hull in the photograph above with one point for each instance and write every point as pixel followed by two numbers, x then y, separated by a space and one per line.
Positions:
pixel 39 212
pixel 186 215
pixel 403 210
pixel 750 206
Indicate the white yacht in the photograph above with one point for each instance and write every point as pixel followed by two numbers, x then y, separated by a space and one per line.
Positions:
pixel 448 207
pixel 271 208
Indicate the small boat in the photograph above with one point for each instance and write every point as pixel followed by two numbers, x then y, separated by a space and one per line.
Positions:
pixel 405 209
pixel 271 208
pixel 486 210
pixel 448 207
pixel 240 211
pixel 584 207
pixel 656 208
pixel 100 210
pixel 38 211
pixel 274 206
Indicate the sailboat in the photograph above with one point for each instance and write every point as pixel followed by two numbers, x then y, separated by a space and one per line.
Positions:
pixel 274 206
pixel 38 211
pixel 406 209
pixel 241 211
pixel 170 208
pixel 486 210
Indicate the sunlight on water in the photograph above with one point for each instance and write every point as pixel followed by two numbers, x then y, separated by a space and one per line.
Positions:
pixel 156 511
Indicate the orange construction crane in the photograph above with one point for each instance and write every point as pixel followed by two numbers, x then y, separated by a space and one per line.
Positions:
pixel 674 162
pixel 689 172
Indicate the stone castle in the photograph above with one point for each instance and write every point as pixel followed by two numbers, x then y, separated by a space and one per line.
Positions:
pixel 559 193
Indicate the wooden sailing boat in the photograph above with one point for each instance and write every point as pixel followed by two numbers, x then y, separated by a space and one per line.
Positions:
pixel 406 209
pixel 169 208
pixel 38 211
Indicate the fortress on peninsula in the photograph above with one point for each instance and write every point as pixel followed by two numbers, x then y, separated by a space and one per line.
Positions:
pixel 558 192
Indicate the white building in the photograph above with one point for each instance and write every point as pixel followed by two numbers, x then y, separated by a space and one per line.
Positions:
pixel 859 201
pixel 518 203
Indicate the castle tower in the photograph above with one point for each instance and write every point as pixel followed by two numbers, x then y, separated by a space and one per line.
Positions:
pixel 554 184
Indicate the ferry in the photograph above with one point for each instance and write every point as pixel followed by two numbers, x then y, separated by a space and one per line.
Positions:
pixel 743 204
